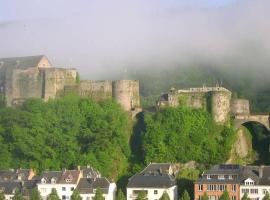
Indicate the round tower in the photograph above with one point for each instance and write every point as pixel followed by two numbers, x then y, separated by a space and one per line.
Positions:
pixel 240 107
pixel 126 93
pixel 220 105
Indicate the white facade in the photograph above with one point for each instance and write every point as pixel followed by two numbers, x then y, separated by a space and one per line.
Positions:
pixel 64 191
pixel 9 196
pixel 152 193
pixel 110 196
pixel 254 192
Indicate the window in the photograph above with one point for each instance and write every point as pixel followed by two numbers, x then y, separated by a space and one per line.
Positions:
pixel 72 188
pixel 43 190
pixel 233 197
pixel 200 187
pixel 68 180
pixel 63 188
pixel 200 197
pixel 245 191
pixel 221 177
pixel 230 177
pixel 264 191
pixel 233 188
pixel 155 192
pixel 208 177
pixel 253 191
pixel 63 197
pixel 43 180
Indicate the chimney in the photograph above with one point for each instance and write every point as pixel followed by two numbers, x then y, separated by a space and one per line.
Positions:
pixel 31 174
pixel 261 171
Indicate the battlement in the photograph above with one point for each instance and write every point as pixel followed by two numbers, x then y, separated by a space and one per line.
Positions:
pixel 203 89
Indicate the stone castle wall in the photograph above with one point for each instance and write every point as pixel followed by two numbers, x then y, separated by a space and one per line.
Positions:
pixel 216 100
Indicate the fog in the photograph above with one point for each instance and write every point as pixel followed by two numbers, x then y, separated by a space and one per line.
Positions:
pixel 106 38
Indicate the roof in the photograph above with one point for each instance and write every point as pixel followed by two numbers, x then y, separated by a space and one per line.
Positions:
pixel 224 169
pixel 69 177
pixel 86 185
pixel 48 175
pixel 19 174
pixel 155 175
pixel 21 62
pixel 90 172
pixel 9 187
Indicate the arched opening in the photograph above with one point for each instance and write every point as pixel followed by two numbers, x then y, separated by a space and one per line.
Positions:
pixel 260 141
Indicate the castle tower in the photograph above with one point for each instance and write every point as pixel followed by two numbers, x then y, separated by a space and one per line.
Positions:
pixel 220 105
pixel 126 93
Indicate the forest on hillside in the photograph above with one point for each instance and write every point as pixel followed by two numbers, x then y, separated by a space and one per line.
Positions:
pixel 71 131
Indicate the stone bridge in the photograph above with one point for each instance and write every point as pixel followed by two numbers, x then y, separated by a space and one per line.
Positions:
pixel 260 118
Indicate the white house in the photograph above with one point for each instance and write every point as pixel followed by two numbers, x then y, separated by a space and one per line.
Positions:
pixel 87 188
pixel 154 180
pixel 255 182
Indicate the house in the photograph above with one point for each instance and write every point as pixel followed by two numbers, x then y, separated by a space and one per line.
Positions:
pixel 87 188
pixel 255 182
pixel 154 180
pixel 47 181
pixel 9 188
pixel 19 174
pixel 216 180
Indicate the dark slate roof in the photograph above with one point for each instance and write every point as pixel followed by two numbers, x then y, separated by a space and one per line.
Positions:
pixel 86 185
pixel 265 178
pixel 252 172
pixel 9 187
pixel 7 175
pixel 155 175
pixel 151 181
pixel 224 169
pixel 48 175
pixel 73 175
pixel 20 62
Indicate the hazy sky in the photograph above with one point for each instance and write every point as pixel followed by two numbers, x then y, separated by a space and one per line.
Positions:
pixel 102 36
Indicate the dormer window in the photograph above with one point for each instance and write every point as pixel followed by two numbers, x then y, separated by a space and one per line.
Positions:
pixel 53 180
pixel 69 179
pixel 208 177
pixel 249 181
pixel 43 180
pixel 221 177
pixel 230 177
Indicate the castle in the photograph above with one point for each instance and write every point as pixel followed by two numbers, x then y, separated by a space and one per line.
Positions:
pixel 34 76
pixel 216 100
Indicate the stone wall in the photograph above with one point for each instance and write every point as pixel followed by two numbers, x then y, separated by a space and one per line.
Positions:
pixel 55 79
pixel 126 93
pixel 21 84
pixel 240 107
pixel 220 106
pixel 97 90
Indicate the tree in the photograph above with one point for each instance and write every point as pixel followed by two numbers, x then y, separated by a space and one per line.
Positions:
pixel 53 195
pixel 141 195
pixel 35 195
pixel 98 195
pixel 165 196
pixel 18 195
pixel 205 196
pixel 266 196
pixel 225 195
pixel 120 195
pixel 185 196
pixel 76 195
pixel 2 195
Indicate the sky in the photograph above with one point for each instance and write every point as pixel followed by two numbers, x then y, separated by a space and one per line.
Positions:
pixel 102 37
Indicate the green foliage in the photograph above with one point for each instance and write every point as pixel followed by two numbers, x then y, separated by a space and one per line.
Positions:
pixel 63 133
pixel 35 195
pixel 266 197
pixel 98 195
pixel 185 180
pixel 120 195
pixel 205 196
pixel 53 195
pixel 18 195
pixel 165 196
pixel 225 195
pixel 185 196
pixel 76 195
pixel 141 195
pixel 2 195
pixel 245 197
pixel 183 134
